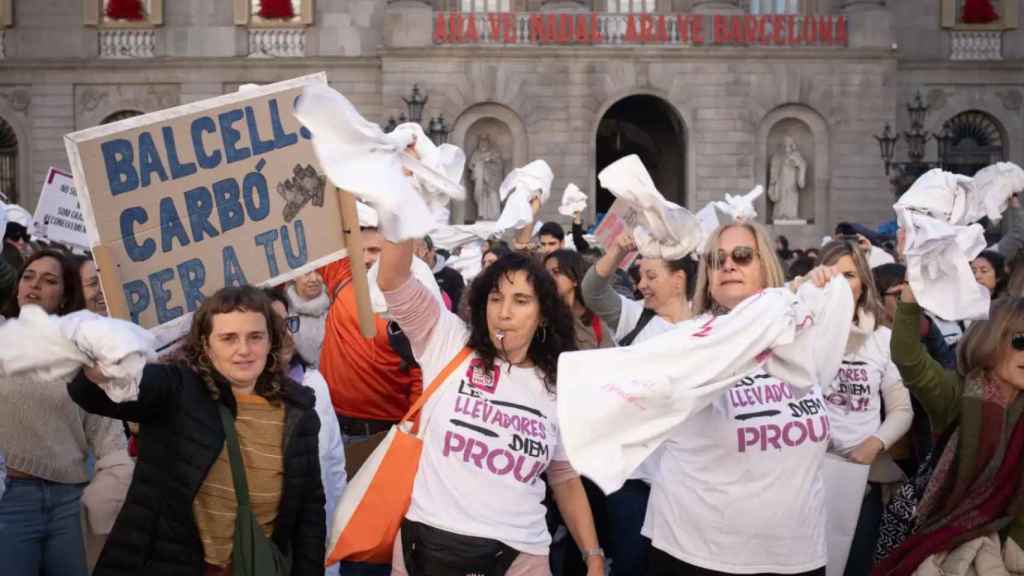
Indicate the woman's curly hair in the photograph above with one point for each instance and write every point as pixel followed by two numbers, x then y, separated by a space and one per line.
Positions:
pixel 225 301
pixel 555 333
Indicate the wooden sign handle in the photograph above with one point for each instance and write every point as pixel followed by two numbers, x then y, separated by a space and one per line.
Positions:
pixel 110 282
pixel 354 246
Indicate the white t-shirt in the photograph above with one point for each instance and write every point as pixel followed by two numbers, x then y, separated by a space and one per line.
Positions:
pixel 855 397
pixel 739 486
pixel 487 441
pixel 629 316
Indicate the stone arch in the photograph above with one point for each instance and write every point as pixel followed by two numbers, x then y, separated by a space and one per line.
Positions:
pixel 508 134
pixel 979 139
pixel 15 122
pixel 945 104
pixel 684 196
pixel 120 115
pixel 812 135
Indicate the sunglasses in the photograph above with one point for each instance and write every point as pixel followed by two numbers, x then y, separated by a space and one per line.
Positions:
pixel 292 323
pixel 1017 341
pixel 741 255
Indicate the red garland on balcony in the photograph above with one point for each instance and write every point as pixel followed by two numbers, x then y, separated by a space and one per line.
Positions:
pixel 978 12
pixel 125 10
pixel 276 10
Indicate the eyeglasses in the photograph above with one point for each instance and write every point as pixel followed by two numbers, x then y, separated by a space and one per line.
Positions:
pixel 741 255
pixel 1017 341
pixel 292 322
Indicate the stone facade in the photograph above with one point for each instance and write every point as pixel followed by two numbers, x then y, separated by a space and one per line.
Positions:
pixel 61 72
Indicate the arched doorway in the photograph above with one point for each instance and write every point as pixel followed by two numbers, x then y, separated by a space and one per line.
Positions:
pixel 978 140
pixel 8 163
pixel 652 129
pixel 120 115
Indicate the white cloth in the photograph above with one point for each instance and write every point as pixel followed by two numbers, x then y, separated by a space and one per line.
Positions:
pixel 733 209
pixel 854 397
pixel 574 201
pixel 468 261
pixel 517 190
pixel 454 236
pixel 419 269
pixel 487 439
pixel 664 230
pixel 629 316
pixel 367 216
pixel 940 243
pixel 3 218
pixel 332 451
pixel 359 157
pixel 618 405
pixel 990 190
pixel 845 482
pixel 18 215
pixel 877 257
pixel 56 347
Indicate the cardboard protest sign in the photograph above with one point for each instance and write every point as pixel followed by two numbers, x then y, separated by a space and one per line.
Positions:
pixel 58 217
pixel 619 219
pixel 223 192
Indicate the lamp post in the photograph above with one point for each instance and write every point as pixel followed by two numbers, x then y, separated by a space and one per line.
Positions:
pixel 917 140
pixel 437 128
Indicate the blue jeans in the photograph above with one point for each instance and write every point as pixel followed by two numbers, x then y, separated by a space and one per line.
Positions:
pixel 626 509
pixel 41 529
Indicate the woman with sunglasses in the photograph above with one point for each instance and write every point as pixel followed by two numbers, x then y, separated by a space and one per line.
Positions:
pixel 738 487
pixel 665 286
pixel 332 450
pixel 867 381
pixel 975 489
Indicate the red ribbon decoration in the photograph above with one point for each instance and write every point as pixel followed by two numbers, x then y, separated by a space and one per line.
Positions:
pixel 131 10
pixel 978 12
pixel 276 10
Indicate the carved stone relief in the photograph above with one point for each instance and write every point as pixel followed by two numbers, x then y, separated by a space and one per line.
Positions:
pixel 17 99
pixel 94 102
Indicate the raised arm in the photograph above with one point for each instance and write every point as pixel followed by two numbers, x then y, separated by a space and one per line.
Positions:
pixel 159 383
pixel 577 233
pixel 524 234
pixel 937 389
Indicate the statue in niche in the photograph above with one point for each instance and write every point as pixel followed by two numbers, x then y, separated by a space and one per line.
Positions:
pixel 786 179
pixel 486 171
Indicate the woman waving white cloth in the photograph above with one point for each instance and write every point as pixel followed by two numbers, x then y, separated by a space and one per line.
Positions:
pixel 617 405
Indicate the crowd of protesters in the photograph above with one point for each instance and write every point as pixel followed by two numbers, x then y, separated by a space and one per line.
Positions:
pixel 282 383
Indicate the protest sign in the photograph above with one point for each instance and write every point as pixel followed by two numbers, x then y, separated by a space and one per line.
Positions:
pixel 620 219
pixel 58 217
pixel 223 192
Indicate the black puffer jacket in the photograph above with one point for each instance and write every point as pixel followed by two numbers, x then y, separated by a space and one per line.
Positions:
pixel 180 437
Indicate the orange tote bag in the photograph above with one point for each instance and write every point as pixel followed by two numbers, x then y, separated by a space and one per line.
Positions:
pixel 375 501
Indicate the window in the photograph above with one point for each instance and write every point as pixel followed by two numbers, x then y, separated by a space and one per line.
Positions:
pixel 774 6
pixel 485 6
pixel 124 13
pixel 977 142
pixel 274 13
pixel 8 163
pixel 631 6
pixel 121 115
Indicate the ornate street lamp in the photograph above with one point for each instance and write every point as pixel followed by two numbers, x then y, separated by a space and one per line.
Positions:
pixel 415 104
pixel 437 128
pixel 917 140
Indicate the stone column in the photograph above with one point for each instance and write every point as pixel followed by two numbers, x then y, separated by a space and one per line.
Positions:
pixel 869 23
pixel 408 23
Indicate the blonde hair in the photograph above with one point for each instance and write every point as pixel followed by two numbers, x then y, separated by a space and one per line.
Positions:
pixel 764 248
pixel 984 345
pixel 870 301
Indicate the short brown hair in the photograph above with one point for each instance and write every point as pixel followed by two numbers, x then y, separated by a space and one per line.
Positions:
pixel 870 300
pixel 986 341
pixel 771 269
pixel 225 301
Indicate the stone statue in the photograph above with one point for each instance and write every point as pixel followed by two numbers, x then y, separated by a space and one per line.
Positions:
pixel 785 181
pixel 486 171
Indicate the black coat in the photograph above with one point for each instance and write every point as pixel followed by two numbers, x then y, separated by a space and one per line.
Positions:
pixel 180 437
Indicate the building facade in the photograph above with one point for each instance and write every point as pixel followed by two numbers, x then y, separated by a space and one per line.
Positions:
pixel 716 96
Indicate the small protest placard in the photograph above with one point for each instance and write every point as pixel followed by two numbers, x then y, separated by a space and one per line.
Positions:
pixel 621 218
pixel 58 216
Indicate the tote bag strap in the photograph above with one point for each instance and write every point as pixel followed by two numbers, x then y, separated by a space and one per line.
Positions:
pixel 441 377
pixel 235 455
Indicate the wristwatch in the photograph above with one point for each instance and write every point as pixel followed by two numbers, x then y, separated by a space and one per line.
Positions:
pixel 592 552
